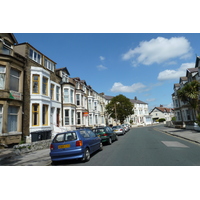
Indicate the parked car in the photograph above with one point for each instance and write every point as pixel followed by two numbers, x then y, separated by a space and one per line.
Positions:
pixel 106 134
pixel 119 130
pixel 126 127
pixel 77 144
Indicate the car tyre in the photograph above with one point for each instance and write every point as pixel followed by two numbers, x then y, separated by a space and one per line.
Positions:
pixel 86 156
pixel 110 141
pixel 101 146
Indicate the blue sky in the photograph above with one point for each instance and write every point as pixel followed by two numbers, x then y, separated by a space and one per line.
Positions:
pixel 145 65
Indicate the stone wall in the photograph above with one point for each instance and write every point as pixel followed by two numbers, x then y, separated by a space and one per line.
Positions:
pixel 34 146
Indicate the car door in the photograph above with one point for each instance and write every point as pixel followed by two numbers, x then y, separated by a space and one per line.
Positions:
pixel 95 141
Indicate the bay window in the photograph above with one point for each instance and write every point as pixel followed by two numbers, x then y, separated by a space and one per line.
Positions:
pixel 12 118
pixel 78 99
pixel 72 117
pixel 2 77
pixel 35 82
pixel 57 93
pixel 66 95
pixel 35 115
pixel 1 117
pixel 14 79
pixel 52 91
pixel 45 115
pixel 78 118
pixel 72 96
pixel 66 117
pixel 45 86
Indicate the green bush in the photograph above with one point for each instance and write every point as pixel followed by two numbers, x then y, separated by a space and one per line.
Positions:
pixel 161 120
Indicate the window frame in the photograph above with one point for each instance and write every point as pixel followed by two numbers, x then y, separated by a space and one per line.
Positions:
pixel 52 91
pixel 37 81
pixel 35 56
pixel 1 118
pixel 45 112
pixel 38 114
pixel 45 85
pixel 57 93
pixel 67 117
pixel 13 114
pixel 16 77
pixel 66 95
pixel 3 73
pixel 49 64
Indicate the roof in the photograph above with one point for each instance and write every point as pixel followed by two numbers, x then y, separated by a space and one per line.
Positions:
pixel 63 69
pixel 108 97
pixel 134 101
pixel 163 109
pixel 137 101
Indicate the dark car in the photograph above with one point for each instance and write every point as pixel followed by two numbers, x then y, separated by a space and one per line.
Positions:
pixel 106 134
pixel 77 144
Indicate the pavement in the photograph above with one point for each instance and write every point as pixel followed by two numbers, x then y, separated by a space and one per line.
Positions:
pixel 41 157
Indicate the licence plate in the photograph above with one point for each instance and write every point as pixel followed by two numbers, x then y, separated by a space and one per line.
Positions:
pixel 63 146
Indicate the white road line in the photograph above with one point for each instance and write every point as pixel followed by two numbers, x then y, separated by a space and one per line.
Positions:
pixel 174 144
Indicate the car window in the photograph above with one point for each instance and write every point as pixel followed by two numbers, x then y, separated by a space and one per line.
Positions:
pixel 84 134
pixel 100 130
pixel 70 136
pixel 59 138
pixel 91 134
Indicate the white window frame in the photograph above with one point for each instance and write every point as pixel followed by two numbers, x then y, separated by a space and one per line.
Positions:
pixel 72 96
pixel 49 65
pixel 57 93
pixel 67 117
pixel 66 95
pixel 35 56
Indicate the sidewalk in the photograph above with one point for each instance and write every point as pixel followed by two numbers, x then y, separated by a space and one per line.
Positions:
pixel 190 135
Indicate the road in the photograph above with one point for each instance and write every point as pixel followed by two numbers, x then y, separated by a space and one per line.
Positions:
pixel 144 146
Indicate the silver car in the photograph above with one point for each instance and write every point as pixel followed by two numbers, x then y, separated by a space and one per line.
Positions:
pixel 119 130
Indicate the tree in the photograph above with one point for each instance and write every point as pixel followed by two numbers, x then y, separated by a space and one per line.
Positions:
pixel 190 94
pixel 119 108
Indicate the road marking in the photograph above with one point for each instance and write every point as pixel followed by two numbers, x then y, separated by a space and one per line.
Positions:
pixel 174 144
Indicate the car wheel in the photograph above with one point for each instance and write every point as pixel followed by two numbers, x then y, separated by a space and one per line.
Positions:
pixel 86 156
pixel 110 141
pixel 101 146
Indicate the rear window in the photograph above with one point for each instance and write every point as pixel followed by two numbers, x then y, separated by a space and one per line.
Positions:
pixel 87 133
pixel 100 130
pixel 65 137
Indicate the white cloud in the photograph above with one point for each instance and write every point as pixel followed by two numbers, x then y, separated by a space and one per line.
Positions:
pixel 150 100
pixel 102 58
pixel 159 50
pixel 119 87
pixel 101 67
pixel 175 74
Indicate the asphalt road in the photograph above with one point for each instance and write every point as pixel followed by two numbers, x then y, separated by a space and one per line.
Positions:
pixel 144 146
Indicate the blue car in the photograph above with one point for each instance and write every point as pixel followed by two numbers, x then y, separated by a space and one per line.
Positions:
pixel 77 144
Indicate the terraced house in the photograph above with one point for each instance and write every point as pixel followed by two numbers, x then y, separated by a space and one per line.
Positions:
pixel 184 113
pixel 12 67
pixel 38 100
pixel 42 94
